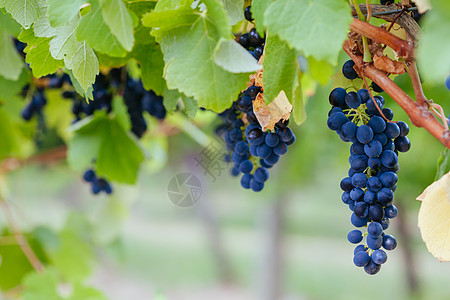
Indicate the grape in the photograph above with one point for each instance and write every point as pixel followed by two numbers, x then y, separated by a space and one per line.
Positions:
pixel 390 211
pixel 374 243
pixel 373 149
pixel 372 268
pixel 404 128
pixel 246 166
pixel 245 180
pixel 392 130
pixel 389 179
pixel 385 223
pixel 389 242
pixel 364 95
pixel 359 248
pixel 244 40
pixel 374 229
pixel 259 52
pixel 361 258
pixel 382 138
pixel 89 175
pixel 337 97
pixel 377 124
pixel 264 151
pixel 376 212
pixel 357 221
pixel 248 13
pixel 346 198
pixel 285 134
pixel 355 236
pixel 364 134
pixel 346 184
pixel 272 159
pixel 256 186
pixel 348 70
pixel 374 184
pixel 370 197
pixel 359 180
pixel 361 209
pixel 385 195
pixel 348 130
pixel 261 174
pixel 353 100
pixel 272 139
pixel 97 184
pixel 280 149
pixel 357 148
pixel 376 88
pixel 402 144
pixel 389 159
pixel 357 194
pixel 255 136
pixel 379 257
pixel 254 38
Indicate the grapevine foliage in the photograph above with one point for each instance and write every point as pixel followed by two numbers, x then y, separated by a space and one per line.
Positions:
pixel 100 77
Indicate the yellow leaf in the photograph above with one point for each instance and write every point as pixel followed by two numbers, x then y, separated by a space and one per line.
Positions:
pixel 422 5
pixel 434 218
pixel 268 115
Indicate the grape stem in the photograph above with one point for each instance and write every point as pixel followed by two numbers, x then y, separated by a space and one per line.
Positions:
pixel 419 115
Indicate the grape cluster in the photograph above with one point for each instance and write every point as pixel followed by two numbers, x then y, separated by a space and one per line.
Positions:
pixel 252 41
pixel 372 179
pixel 97 184
pixel 253 151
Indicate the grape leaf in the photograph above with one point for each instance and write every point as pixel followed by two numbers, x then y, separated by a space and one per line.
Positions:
pixel 9 24
pixel 38 54
pixel 11 63
pixel 151 60
pixel 258 9
pixel 188 40
pixel 119 20
pixel 234 9
pixel 61 12
pixel 10 88
pixel 78 56
pixel 234 58
pixel 96 33
pixel 121 113
pixel 117 154
pixel 280 71
pixel 320 70
pixel 442 164
pixel 41 286
pixel 434 62
pixel 318 28
pixel 25 12
pixel 88 293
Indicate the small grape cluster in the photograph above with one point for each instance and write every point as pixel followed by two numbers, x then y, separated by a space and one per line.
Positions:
pixel 372 179
pixel 253 151
pixel 252 41
pixel 97 184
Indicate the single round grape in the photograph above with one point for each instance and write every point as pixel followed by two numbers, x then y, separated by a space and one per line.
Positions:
pixel 379 256
pixel 272 139
pixel 245 180
pixel 261 174
pixel 248 13
pixel 390 211
pixel 256 186
pixel 375 229
pixel 372 268
pixel 389 159
pixel 361 258
pixel 374 243
pixel 337 97
pixel 353 100
pixel 246 166
pixel 370 197
pixel 385 195
pixel 388 179
pixel 402 144
pixel 348 70
pixel 359 248
pixel 389 242
pixel 376 212
pixel 364 95
pixel 355 236
pixel 377 124
pixel 361 209
pixel 374 184
pixel 364 134
pixel 357 221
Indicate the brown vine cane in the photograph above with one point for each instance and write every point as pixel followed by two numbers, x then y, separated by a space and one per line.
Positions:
pixel 417 111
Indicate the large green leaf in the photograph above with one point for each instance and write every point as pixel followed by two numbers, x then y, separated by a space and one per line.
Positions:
pixel 119 20
pixel 151 60
pixel 434 45
pixel 25 12
pixel 318 28
pixel 9 24
pixel 234 58
pixel 258 9
pixel 117 154
pixel 280 68
pixel 78 56
pixel 97 34
pixel 61 12
pixel 188 40
pixel 38 54
pixel 234 9
pixel 11 63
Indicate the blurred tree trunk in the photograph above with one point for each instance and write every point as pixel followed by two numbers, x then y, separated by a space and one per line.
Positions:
pixel 270 267
pixel 407 253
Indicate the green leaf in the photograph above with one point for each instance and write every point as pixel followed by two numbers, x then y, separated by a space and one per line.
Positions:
pixel 234 58
pixel 41 286
pixel 9 24
pixel 280 68
pixel 10 88
pixel 190 107
pixel 258 9
pixel 320 70
pixel 318 28
pixel 86 293
pixel 38 54
pixel 78 56
pixel 442 164
pixel 25 12
pixel 234 9
pixel 433 50
pixel 194 73
pixel 299 100
pixel 171 98
pixel 61 12
pixel 117 154
pixel 85 94
pixel 151 60
pixel 73 257
pixel 11 63
pixel 121 113
pixel 119 20
pixel 97 34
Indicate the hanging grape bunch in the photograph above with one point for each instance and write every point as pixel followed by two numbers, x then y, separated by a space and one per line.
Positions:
pixel 252 150
pixel 372 178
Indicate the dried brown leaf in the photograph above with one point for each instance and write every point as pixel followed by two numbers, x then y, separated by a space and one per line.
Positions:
pixel 388 65
pixel 268 115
